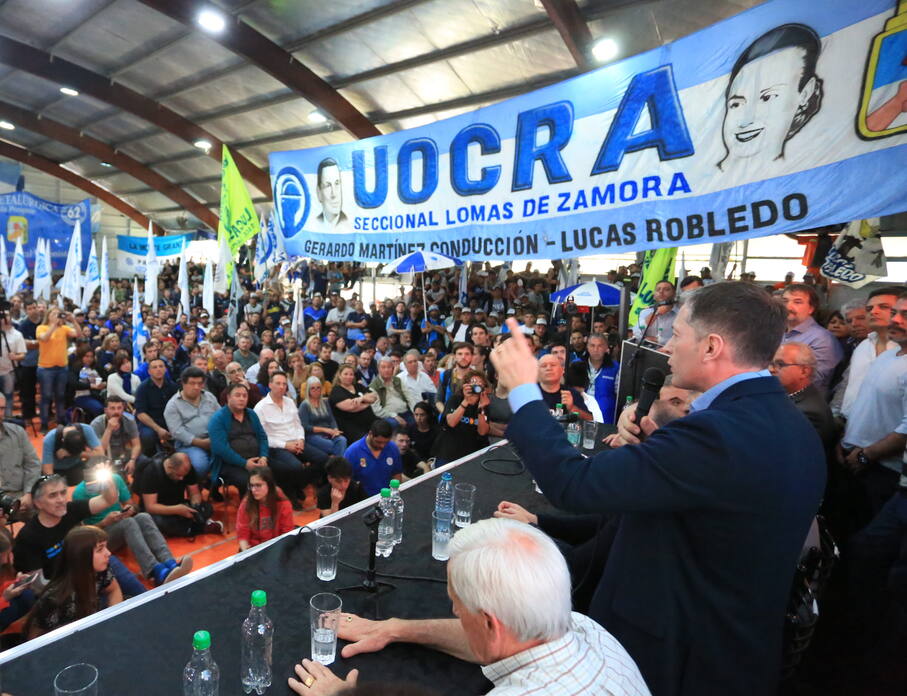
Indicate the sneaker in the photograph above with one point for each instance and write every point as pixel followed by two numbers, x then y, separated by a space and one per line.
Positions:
pixel 214 527
pixel 178 571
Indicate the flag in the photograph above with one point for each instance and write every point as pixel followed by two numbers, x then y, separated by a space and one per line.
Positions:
pixel 298 323
pixel 719 258
pixel 43 281
pixel 105 280
pixel 139 335
pixel 71 286
pixel 19 272
pixel 657 266
pixel 263 251
pixel 464 290
pixel 4 266
pixel 233 308
pixel 183 282
pixel 92 276
pixel 502 274
pixel 151 271
pixel 238 220
pixel 224 266
pixel 208 289
pixel 857 258
pixel 682 273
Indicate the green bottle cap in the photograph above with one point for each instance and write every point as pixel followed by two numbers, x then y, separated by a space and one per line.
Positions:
pixel 560 406
pixel 395 483
pixel 385 492
pixel 201 640
pixel 259 598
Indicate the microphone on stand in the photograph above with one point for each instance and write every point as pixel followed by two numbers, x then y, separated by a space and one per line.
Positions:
pixel 653 380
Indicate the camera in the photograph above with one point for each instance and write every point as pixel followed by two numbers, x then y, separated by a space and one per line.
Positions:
pixel 9 505
pixel 476 388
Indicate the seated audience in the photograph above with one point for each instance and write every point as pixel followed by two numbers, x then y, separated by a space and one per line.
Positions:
pixel 375 459
pixel 412 467
pixel 394 402
pixel 317 418
pixel 238 442
pixel 122 382
pixel 340 491
pixel 151 400
pixel 119 434
pixel 66 449
pixel 236 375
pixel 464 423
pixel 352 404
pixel 187 414
pixel 19 465
pixel 264 512
pixel 424 431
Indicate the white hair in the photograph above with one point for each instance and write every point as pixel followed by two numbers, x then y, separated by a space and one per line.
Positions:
pixel 853 305
pixel 515 572
pixel 805 355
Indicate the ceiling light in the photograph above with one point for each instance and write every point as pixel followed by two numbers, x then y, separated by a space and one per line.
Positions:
pixel 605 49
pixel 317 117
pixel 69 91
pixel 6 125
pixel 212 21
pixel 202 144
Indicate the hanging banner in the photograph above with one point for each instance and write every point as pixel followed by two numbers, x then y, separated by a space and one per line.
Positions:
pixel 750 127
pixel 29 218
pixel 857 258
pixel 131 251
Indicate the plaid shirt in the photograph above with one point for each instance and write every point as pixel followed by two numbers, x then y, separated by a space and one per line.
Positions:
pixel 587 660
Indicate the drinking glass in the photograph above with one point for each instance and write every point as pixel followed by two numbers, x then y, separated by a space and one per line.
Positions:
pixel 441 531
pixel 327 549
pixel 77 680
pixel 464 499
pixel 325 615
pixel 590 428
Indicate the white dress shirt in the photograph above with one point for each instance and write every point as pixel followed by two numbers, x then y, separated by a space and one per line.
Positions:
pixel 862 357
pixel 281 424
pixel 416 385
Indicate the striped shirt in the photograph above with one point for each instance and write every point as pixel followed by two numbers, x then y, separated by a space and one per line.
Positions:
pixel 587 660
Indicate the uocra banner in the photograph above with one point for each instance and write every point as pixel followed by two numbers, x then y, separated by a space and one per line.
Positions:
pixel 29 218
pixel 788 116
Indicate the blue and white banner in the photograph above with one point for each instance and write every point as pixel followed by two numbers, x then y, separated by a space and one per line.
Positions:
pixel 30 218
pixel 132 251
pixel 758 125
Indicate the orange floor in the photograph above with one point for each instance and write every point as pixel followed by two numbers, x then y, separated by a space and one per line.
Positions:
pixel 204 549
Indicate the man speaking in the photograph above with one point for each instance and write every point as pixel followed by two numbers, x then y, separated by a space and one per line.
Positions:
pixel 715 506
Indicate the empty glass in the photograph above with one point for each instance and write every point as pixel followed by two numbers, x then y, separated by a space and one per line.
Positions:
pixel 77 680
pixel 441 531
pixel 464 499
pixel 590 428
pixel 325 616
pixel 327 549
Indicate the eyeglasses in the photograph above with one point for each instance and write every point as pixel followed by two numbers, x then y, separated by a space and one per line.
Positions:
pixel 780 364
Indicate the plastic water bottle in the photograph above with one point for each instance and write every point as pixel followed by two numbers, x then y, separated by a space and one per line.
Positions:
pixel 201 676
pixel 257 642
pixel 386 526
pixel 397 502
pixel 574 434
pixel 444 495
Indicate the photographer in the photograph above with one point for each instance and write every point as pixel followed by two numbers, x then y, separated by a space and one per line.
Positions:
pixel 169 492
pixel 39 543
pixel 53 345
pixel 464 425
pixel 126 527
pixel 19 466
pixel 12 350
pixel 66 449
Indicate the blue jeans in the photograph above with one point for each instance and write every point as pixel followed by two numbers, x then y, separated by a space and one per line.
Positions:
pixel 53 388
pixel 129 583
pixel 92 406
pixel 326 445
pixel 200 458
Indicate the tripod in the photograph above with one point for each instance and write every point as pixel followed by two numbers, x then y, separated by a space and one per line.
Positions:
pixel 370 584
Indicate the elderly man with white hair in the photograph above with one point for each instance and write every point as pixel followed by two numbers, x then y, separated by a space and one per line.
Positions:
pixel 510 590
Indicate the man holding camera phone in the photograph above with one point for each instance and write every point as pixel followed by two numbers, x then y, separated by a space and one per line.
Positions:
pixel 163 487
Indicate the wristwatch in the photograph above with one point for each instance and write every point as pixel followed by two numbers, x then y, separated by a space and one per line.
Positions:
pixel 862 459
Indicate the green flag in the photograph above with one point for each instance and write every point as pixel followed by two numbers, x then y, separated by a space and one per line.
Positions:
pixel 657 266
pixel 238 220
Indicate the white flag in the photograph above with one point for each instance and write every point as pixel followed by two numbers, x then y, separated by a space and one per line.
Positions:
pixel 208 289
pixel 151 271
pixel 71 286
pixel 263 252
pixel 4 266
pixel 19 272
pixel 105 279
pixel 682 273
pixel 92 276
pixel 463 298
pixel 298 324
pixel 183 282
pixel 42 270
pixel 139 335
pixel 223 263
pixel 233 309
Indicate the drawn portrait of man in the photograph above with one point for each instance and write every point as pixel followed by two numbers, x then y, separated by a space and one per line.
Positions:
pixel 773 91
pixel 329 192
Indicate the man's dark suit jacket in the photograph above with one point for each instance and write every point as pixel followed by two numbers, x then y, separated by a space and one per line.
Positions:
pixel 715 508
pixel 812 405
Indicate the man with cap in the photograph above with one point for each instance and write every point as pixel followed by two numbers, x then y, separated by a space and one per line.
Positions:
pixel 454 317
pixel 493 323
pixel 541 330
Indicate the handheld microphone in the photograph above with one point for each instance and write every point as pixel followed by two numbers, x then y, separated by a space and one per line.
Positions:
pixel 652 381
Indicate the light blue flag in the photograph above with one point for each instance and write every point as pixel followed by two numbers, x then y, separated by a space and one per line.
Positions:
pixel 43 280
pixel 139 335
pixel 263 251
pixel 92 276
pixel 19 272
pixel 464 289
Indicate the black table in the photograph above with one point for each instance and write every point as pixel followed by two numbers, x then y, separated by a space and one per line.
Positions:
pixel 144 650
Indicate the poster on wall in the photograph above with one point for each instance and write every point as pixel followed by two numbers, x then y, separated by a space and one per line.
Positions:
pixel 29 218
pixel 788 116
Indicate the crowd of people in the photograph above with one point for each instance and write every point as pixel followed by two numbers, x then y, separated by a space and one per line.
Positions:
pixel 323 412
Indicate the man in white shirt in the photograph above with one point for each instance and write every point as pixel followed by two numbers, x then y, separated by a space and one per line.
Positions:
pixel 12 350
pixel 879 307
pixel 338 315
pixel 287 453
pixel 510 590
pixel 414 380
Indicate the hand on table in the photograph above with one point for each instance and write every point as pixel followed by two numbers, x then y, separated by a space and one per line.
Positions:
pixel 316 679
pixel 512 511
pixel 364 635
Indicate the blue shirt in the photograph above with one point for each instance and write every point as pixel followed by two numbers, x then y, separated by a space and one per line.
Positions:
pixel 825 346
pixel 704 400
pixel 374 473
